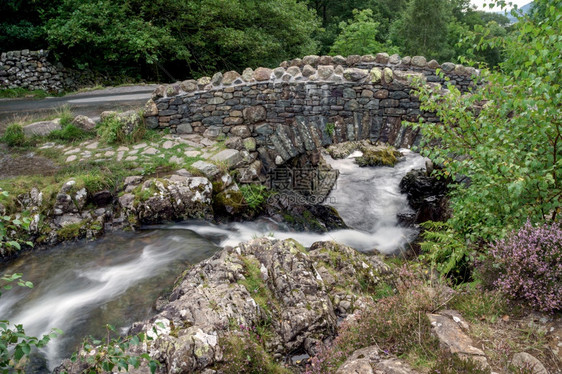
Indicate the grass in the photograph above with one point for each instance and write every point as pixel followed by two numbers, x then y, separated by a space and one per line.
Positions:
pixel 90 175
pixel 13 93
pixel 256 286
pixel 244 352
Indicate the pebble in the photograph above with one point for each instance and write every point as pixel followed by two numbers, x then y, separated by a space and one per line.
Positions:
pixel 168 144
pixel 71 158
pixel 139 146
pixel 72 151
pixel 150 151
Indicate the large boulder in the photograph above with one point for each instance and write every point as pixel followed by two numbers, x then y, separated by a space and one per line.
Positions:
pixel 426 195
pixel 42 128
pixel 262 282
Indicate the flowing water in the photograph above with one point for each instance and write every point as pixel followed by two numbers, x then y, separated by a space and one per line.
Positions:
pixel 368 200
pixel 82 286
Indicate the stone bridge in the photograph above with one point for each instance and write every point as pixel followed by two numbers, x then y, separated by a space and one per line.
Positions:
pixel 304 104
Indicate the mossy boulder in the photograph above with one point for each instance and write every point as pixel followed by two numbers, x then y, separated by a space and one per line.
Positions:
pixel 378 156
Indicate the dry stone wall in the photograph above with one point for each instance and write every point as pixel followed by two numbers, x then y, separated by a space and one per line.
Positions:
pixel 304 104
pixel 32 70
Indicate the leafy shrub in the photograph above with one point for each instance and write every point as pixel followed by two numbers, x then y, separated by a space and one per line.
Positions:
pixel 122 128
pixel 509 149
pixel 14 136
pixel 114 355
pixel 8 225
pixel 530 262
pixel 14 343
pixel 445 250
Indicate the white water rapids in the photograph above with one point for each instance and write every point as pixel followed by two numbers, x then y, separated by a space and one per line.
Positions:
pixel 368 200
pixel 82 286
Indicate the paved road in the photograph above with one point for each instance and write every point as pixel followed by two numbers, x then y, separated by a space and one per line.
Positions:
pixel 90 104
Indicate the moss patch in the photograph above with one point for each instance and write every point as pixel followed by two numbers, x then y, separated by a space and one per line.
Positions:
pixel 378 156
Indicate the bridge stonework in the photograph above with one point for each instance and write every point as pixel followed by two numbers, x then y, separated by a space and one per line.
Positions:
pixel 305 104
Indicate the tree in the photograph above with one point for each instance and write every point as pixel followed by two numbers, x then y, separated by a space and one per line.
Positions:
pixel 358 36
pixel 422 29
pixel 188 38
pixel 21 23
pixel 510 148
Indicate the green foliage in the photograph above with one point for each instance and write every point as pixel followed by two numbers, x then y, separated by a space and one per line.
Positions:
pixel 21 23
pixel 453 364
pixel 9 225
pixel 476 304
pixel 511 149
pixel 15 345
pixel 422 29
pixel 114 355
pixel 330 128
pixel 256 286
pixel 14 136
pixel 255 195
pixel 244 352
pixel 445 249
pixel 139 37
pixel 11 93
pixel 119 130
pixel 69 133
pixel 358 36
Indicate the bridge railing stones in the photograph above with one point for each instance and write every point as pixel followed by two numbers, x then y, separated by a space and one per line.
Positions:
pixel 304 104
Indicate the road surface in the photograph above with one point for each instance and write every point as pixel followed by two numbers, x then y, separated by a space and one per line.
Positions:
pixel 90 104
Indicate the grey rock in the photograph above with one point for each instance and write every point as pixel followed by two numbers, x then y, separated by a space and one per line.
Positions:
pixel 448 66
pixel 325 72
pixel 208 169
pixel 216 79
pixel 83 122
pixel 448 330
pixel 230 157
pixel 394 59
pixel 184 128
pixel 382 58
pixel 254 114
pixel 433 64
pixel 43 128
pixel 355 74
pixel 419 61
pixel 175 198
pixel 524 360
pixel 308 70
pixel 241 131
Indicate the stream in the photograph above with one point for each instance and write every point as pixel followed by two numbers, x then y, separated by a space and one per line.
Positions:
pixel 80 287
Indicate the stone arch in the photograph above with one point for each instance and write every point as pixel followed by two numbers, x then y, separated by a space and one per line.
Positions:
pixel 305 104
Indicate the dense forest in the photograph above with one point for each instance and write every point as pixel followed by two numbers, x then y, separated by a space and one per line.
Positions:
pixel 177 39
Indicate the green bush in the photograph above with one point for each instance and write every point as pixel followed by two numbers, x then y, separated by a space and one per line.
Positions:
pixel 14 135
pixel 505 138
pixel 120 129
pixel 69 133
pixel 255 195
